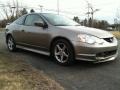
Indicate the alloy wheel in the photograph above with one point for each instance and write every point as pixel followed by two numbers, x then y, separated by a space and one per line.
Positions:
pixel 61 52
pixel 10 43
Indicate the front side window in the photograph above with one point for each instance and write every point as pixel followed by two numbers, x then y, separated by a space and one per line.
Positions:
pixel 20 20
pixel 31 19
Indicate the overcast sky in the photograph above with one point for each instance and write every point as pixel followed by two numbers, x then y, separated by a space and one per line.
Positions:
pixel 108 8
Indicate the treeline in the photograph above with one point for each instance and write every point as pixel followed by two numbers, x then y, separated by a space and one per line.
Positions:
pixel 101 24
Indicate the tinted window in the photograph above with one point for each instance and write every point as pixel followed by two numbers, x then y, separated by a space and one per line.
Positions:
pixel 31 19
pixel 20 20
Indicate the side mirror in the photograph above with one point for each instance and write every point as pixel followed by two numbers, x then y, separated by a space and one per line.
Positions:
pixel 8 23
pixel 40 24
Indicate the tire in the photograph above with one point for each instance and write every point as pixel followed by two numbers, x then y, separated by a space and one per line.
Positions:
pixel 62 52
pixel 11 43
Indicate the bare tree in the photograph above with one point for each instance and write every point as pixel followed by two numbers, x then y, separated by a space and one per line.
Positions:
pixel 117 20
pixel 5 11
pixel 11 10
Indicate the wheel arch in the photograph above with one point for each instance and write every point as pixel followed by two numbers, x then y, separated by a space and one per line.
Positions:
pixel 7 35
pixel 58 38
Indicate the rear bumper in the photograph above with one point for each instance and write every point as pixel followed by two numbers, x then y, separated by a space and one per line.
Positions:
pixel 96 53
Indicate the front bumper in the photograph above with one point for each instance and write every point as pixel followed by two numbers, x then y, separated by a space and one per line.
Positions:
pixel 95 58
pixel 96 53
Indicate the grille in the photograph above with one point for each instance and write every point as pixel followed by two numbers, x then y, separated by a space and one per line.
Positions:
pixel 110 40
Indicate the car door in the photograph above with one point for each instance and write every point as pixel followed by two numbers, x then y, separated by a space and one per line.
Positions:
pixel 35 36
pixel 17 29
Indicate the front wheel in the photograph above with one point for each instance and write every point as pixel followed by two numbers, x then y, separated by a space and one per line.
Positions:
pixel 11 43
pixel 62 52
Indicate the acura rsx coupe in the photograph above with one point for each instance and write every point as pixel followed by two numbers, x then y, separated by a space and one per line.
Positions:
pixel 60 37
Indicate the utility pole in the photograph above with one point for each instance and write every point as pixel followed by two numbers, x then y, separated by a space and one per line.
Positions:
pixel 88 12
pixel 92 14
pixel 41 8
pixel 58 9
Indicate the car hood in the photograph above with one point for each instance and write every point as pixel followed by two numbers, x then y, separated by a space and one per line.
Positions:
pixel 87 30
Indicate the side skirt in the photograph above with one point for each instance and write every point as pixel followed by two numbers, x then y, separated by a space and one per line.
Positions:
pixel 33 50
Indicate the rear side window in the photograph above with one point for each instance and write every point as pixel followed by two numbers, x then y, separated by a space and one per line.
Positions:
pixel 20 20
pixel 31 19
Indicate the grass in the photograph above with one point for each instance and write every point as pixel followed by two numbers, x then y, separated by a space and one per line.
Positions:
pixel 15 74
pixel 116 34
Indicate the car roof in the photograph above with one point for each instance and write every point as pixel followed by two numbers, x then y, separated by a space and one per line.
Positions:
pixel 39 13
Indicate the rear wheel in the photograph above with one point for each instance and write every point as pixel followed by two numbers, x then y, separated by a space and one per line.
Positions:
pixel 62 52
pixel 11 43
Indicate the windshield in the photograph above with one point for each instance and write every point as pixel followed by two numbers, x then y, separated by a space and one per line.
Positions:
pixel 58 20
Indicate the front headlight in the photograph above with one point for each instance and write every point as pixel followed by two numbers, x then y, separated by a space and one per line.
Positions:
pixel 89 39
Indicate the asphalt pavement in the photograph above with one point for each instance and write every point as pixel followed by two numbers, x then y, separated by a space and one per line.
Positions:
pixel 81 76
